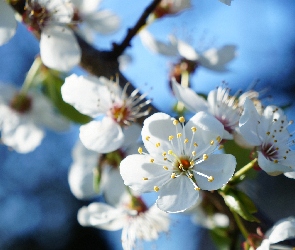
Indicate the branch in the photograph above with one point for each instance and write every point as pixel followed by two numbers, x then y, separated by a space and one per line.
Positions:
pixel 118 49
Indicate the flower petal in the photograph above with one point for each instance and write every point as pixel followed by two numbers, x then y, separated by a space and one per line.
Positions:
pixel 85 6
pixel 221 167
pixel 102 136
pixel 103 21
pixel 136 167
pixel 270 167
pixel 59 48
pixel 191 100
pixel 102 216
pixel 75 90
pixel 7 23
pixel 187 51
pixel 177 195
pixel 248 123
pixel 283 230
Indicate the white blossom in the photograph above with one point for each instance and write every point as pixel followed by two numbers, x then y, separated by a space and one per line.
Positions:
pixel 268 133
pixel 23 116
pixel 105 100
pixel 179 161
pixel 136 221
pixel 7 22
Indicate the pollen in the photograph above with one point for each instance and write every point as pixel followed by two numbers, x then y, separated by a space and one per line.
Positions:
pixel 210 178
pixel 170 138
pixel 197 188
pixel 164 153
pixel 152 160
pixel 190 176
pixel 173 176
pixel 139 150
pixel 268 133
pixel 220 147
pixel 192 163
pixel 218 139
pixel 194 129
pixel 165 167
pixel 195 144
pixel 175 122
pixel 205 157
pixel 194 153
pixel 276 161
pixel 147 138
pixel 211 142
pixel 158 144
pixel 156 188
pixel 170 152
pixel 145 178
pixel 181 119
pixel 186 140
pixel 179 135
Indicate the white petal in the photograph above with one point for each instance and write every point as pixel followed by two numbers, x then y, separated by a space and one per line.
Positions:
pixel 136 167
pixel 282 230
pixel 177 195
pixel 86 6
pixel 290 175
pixel 190 99
pixel 83 92
pixel 102 136
pixel 265 245
pixel 45 114
pixel 187 51
pixel 59 48
pixel 221 167
pixel 7 23
pixel 167 49
pixel 103 21
pixel 102 216
pixel 159 127
pixel 21 133
pixel 216 59
pixel 248 123
pixel 270 167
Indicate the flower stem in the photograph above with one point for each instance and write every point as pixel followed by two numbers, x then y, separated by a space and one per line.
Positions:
pixel 240 225
pixel 244 170
pixel 31 75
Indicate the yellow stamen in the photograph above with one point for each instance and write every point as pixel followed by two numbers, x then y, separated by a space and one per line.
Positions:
pixel 147 138
pixel 170 138
pixel 195 144
pixel 152 160
pixel 192 163
pixel 156 188
pixel 220 147
pixel 211 142
pixel 175 122
pixel 170 152
pixel 164 153
pixel 210 178
pixel 275 161
pixel 165 167
pixel 197 188
pixel 205 157
pixel 194 129
pixel 179 135
pixel 218 139
pixel 186 140
pixel 173 175
pixel 158 144
pixel 140 150
pixel 194 153
pixel 181 119
pixel 145 178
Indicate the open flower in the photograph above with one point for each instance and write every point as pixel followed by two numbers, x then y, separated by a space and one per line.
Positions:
pixel 7 22
pixel 136 220
pixel 283 230
pixel 92 173
pixel 59 48
pixel 180 160
pixel 105 99
pixel 219 103
pixel 103 21
pixel 23 117
pixel 268 133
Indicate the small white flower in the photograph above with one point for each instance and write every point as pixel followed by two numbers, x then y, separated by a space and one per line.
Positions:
pixel 213 59
pixel 136 221
pixel 219 103
pixel 268 133
pixel 103 21
pixel 59 48
pixel 23 116
pixel 105 99
pixel 283 230
pixel 7 22
pixel 88 165
pixel 180 160
pixel 227 2
pixel 171 7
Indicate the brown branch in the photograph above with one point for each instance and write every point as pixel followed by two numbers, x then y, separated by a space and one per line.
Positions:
pixel 118 49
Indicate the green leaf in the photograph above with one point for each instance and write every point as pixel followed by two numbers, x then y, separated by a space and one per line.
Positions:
pixel 241 204
pixel 52 88
pixel 220 237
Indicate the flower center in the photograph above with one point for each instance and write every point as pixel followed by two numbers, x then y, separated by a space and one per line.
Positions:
pixel 120 113
pixel 138 205
pixel 184 164
pixel 21 103
pixel 269 151
pixel 35 15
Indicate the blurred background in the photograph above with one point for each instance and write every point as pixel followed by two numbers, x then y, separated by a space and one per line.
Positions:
pixel 37 209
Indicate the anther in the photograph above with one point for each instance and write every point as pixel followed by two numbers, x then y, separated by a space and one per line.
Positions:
pixel 211 142
pixel 186 140
pixel 164 153
pixel 156 188
pixel 205 157
pixel 197 188
pixel 194 153
pixel 218 139
pixel 170 138
pixel 140 150
pixel 165 167
pixel 220 147
pixel 179 135
pixel 268 133
pixel 175 122
pixel 195 144
pixel 170 152
pixel 192 163
pixel 181 119
pixel 190 176
pixel 152 160
pixel 210 178
pixel 145 178
pixel 147 138
pixel 276 161
pixel 158 144
pixel 173 175
pixel 194 129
